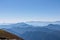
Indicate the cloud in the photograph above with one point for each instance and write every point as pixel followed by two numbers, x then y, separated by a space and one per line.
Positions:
pixel 9 20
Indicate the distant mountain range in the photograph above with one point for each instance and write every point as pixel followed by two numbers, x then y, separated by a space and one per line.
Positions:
pixel 41 23
pixel 34 23
pixel 32 32
pixel 22 24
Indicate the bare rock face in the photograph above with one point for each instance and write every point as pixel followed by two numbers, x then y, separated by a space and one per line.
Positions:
pixel 4 35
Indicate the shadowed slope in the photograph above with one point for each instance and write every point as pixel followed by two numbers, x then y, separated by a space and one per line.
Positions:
pixel 6 35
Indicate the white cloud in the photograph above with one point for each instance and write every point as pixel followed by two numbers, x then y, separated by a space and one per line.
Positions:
pixel 9 20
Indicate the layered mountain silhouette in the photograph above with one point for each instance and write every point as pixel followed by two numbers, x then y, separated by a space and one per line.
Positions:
pixel 41 23
pixel 31 32
pixel 53 26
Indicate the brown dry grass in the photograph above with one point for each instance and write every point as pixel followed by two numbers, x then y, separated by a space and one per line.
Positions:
pixel 8 35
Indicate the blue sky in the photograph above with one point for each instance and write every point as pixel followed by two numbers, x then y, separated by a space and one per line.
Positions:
pixel 12 11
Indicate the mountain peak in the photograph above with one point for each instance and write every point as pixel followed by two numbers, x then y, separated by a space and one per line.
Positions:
pixel 22 23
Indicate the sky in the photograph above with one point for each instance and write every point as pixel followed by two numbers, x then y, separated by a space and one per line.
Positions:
pixel 12 11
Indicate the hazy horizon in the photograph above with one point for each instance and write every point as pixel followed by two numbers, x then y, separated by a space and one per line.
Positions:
pixel 13 11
